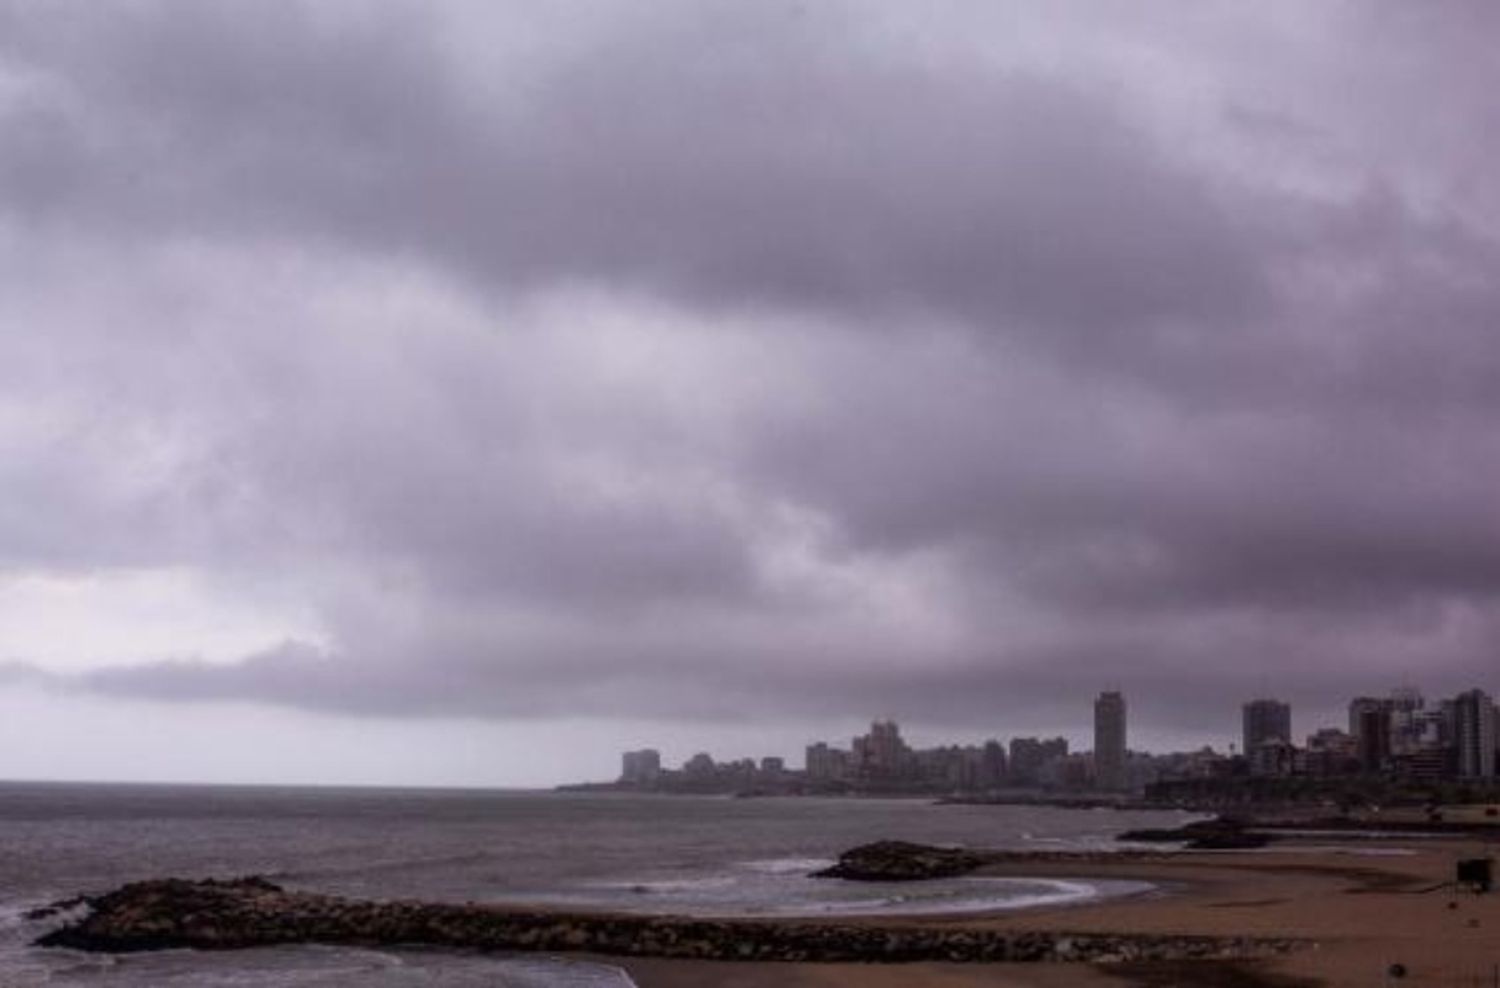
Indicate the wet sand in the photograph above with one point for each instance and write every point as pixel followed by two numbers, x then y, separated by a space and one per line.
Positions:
pixel 1361 913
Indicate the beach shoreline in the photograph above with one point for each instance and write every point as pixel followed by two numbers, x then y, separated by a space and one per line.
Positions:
pixel 1357 913
pixel 1293 916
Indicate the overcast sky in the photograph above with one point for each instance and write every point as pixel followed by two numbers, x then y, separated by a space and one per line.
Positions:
pixel 458 393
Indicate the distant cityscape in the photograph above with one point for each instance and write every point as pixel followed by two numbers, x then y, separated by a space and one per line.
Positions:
pixel 1399 740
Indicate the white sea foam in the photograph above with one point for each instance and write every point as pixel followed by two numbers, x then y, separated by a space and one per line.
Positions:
pixel 669 886
pixel 970 895
pixel 785 891
pixel 788 866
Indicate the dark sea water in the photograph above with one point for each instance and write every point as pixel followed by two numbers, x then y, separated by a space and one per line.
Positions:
pixel 705 856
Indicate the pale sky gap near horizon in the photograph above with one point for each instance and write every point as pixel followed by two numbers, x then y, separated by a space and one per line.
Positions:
pixel 459 393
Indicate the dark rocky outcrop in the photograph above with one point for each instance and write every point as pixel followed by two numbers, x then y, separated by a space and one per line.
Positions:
pixel 903 861
pixel 1218 834
pixel 215 915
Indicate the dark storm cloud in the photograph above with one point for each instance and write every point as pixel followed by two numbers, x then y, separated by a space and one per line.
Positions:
pixel 726 360
pixel 734 156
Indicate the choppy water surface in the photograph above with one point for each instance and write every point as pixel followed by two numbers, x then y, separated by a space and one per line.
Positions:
pixel 681 855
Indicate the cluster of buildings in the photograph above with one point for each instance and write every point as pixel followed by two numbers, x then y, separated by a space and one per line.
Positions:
pixel 1395 739
pixel 1398 736
pixel 643 770
pixel 882 761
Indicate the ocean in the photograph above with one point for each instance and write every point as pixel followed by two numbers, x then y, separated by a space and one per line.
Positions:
pixel 684 855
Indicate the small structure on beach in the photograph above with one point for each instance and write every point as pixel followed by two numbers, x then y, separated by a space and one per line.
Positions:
pixel 1476 873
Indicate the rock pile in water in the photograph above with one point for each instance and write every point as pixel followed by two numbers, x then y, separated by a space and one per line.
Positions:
pixel 1217 834
pixel 249 912
pixel 903 861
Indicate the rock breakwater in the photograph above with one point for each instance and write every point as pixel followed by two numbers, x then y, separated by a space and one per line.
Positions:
pixel 903 861
pixel 250 912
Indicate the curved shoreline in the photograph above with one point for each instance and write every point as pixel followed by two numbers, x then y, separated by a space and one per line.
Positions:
pixel 217 915
pixel 980 894
pixel 1231 917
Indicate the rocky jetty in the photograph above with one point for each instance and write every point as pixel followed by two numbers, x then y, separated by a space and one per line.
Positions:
pixel 249 912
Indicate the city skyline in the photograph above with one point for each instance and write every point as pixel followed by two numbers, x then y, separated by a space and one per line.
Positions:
pixel 1384 734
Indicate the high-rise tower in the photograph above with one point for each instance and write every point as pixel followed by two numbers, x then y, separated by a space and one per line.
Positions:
pixel 1266 720
pixel 1109 741
pixel 1474 731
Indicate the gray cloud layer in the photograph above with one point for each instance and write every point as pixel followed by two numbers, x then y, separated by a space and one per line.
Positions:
pixel 721 361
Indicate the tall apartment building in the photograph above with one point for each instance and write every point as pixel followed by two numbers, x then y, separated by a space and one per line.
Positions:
pixel 1266 720
pixel 1383 727
pixel 1029 756
pixel 995 765
pixel 881 754
pixel 1373 738
pixel 1361 707
pixel 1109 741
pixel 641 768
pixel 1474 734
pixel 1408 710
pixel 825 764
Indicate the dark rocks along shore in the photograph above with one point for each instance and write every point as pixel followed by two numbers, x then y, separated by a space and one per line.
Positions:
pixel 250 912
pixel 1217 834
pixel 902 861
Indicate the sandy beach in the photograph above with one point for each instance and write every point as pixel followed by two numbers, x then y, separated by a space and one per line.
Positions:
pixel 1362 908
